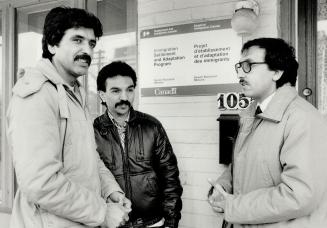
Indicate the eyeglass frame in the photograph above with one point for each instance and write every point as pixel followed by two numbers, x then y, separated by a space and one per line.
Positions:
pixel 240 65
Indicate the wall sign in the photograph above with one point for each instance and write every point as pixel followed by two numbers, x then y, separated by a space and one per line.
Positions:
pixel 189 59
pixel 232 101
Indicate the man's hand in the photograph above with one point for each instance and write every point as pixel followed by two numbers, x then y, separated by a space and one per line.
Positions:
pixel 119 197
pixel 217 199
pixel 116 215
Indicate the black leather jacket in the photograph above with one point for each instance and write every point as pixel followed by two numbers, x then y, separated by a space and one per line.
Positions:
pixel 147 172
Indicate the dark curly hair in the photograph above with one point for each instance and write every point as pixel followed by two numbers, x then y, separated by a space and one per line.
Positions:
pixel 60 19
pixel 279 56
pixel 112 70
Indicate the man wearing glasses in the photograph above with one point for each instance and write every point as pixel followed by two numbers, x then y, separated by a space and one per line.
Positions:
pixel 278 177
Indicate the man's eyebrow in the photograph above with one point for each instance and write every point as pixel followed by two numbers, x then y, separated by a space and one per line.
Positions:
pixel 83 37
pixel 78 36
pixel 114 88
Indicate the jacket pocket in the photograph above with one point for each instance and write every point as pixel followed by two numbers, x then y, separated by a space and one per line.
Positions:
pixel 69 156
pixel 142 144
pixel 152 185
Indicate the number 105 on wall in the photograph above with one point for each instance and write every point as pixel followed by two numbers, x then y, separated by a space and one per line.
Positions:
pixel 232 101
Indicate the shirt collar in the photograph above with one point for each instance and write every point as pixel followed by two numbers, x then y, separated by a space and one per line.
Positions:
pixel 263 105
pixel 115 122
pixel 76 83
pixel 277 106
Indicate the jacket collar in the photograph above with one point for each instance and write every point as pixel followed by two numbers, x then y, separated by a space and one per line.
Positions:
pixel 276 107
pixel 106 121
pixel 132 115
pixel 50 72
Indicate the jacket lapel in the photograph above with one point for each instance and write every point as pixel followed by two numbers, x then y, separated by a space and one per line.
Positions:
pixel 274 113
pixel 279 103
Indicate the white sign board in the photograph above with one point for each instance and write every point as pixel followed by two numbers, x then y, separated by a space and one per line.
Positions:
pixel 189 59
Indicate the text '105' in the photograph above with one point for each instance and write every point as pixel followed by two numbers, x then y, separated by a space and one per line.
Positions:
pixel 232 101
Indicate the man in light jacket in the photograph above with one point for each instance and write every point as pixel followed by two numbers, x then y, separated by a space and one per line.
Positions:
pixel 62 182
pixel 278 177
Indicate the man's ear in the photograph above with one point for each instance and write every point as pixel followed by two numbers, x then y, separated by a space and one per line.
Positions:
pixel 52 49
pixel 278 74
pixel 102 96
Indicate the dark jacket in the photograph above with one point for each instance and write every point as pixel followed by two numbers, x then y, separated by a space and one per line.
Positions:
pixel 147 172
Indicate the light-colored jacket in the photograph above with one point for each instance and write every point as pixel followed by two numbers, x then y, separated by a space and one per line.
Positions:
pixel 61 180
pixel 280 166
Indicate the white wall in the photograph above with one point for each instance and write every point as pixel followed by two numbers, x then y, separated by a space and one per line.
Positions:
pixel 191 121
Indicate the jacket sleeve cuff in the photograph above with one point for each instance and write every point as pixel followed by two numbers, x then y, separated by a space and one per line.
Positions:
pixel 107 194
pixel 225 184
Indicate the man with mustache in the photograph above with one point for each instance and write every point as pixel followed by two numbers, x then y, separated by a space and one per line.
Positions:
pixel 136 148
pixel 62 182
pixel 278 174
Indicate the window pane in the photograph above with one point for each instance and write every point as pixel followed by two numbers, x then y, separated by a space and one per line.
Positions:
pixel 117 16
pixel 322 56
pixel 30 21
pixel 30 27
pixel 117 43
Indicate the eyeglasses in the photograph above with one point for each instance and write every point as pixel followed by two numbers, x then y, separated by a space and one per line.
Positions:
pixel 246 66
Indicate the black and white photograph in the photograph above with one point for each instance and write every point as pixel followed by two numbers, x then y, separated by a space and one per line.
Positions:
pixel 163 114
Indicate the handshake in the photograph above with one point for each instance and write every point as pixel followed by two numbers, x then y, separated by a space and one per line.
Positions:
pixel 217 197
pixel 118 207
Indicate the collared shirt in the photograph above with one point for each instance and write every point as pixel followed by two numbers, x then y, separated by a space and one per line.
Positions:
pixel 121 128
pixel 263 105
pixel 75 90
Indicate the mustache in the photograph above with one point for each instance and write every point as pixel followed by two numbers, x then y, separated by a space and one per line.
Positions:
pixel 242 82
pixel 123 102
pixel 85 57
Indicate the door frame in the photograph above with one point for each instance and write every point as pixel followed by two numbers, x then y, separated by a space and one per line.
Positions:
pixel 298 26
